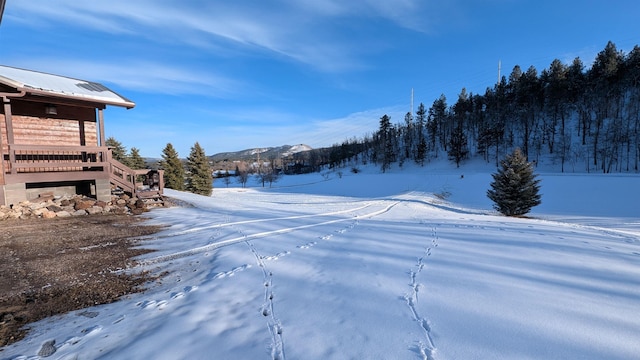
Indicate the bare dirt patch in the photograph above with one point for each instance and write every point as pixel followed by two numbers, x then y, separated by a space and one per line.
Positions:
pixel 53 266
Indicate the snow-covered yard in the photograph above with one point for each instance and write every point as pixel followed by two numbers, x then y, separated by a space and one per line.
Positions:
pixel 378 266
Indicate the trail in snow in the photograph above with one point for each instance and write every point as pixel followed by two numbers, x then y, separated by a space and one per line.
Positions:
pixel 426 349
pixel 267 310
pixel 196 229
pixel 216 245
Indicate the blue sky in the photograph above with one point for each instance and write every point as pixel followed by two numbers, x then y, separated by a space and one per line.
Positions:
pixel 240 74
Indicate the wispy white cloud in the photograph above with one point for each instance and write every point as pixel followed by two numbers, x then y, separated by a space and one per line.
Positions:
pixel 359 124
pixel 145 76
pixel 307 32
pixel 264 127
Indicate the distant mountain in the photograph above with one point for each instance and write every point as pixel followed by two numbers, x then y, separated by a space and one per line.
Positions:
pixel 264 153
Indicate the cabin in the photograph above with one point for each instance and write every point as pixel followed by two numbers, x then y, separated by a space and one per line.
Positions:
pixel 52 140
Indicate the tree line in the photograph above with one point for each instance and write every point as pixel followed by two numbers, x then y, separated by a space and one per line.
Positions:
pixel 580 119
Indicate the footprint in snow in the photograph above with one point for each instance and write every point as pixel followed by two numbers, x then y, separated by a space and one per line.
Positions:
pixel 146 304
pixel 307 245
pixel 276 256
pixel 177 295
pixel 162 304
pixel 231 272
pixel 91 330
pixel 153 304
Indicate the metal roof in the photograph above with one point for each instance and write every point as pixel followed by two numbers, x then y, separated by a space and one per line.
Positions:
pixel 39 83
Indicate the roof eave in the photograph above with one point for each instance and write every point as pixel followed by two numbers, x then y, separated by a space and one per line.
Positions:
pixel 125 103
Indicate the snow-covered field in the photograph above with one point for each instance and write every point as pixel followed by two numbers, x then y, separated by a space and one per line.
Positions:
pixel 378 266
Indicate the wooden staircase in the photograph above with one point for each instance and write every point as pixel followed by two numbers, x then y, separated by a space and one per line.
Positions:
pixel 146 185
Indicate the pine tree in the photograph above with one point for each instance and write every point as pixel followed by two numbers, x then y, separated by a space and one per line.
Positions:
pixel 408 135
pixel 173 168
pixel 458 149
pixel 421 148
pixel 438 125
pixel 515 189
pixel 135 160
pixel 199 178
pixel 118 151
pixel 385 133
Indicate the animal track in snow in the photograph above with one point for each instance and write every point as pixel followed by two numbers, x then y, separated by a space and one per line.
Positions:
pixel 276 256
pixel 425 347
pixel 91 330
pixel 150 304
pixel 231 272
pixel 184 292
pixel 267 308
pixel 307 245
pixel 177 295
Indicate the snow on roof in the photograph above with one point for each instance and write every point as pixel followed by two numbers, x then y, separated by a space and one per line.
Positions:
pixel 40 83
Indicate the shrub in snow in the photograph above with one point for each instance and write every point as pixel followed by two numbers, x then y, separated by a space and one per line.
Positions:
pixel 515 189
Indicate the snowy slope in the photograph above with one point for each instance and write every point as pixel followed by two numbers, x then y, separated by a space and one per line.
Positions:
pixel 377 266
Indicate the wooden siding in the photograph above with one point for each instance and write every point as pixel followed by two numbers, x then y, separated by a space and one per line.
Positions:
pixel 29 130
pixel 31 124
pixel 26 107
pixel 73 125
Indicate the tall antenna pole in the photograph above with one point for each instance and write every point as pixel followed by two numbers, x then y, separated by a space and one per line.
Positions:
pixel 411 101
pixel 499 66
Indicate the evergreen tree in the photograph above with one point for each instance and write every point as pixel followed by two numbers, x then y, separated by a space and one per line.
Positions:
pixel 438 127
pixel 136 161
pixel 514 189
pixel 385 133
pixel 421 148
pixel 199 178
pixel 458 149
pixel 408 135
pixel 173 168
pixel 118 151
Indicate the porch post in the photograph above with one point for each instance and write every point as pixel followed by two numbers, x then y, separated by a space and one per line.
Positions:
pixel 8 120
pixel 7 117
pixel 83 136
pixel 101 126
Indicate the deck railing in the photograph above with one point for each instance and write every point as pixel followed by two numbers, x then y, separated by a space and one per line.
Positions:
pixel 44 163
pixel 138 183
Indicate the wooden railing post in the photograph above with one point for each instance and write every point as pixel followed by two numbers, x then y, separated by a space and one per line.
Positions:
pixel 12 159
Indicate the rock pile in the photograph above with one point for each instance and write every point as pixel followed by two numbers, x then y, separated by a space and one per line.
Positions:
pixel 49 206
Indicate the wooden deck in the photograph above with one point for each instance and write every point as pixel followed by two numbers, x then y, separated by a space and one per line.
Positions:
pixel 41 163
pixel 48 164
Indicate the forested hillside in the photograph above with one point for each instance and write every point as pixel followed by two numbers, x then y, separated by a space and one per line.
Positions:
pixel 576 119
